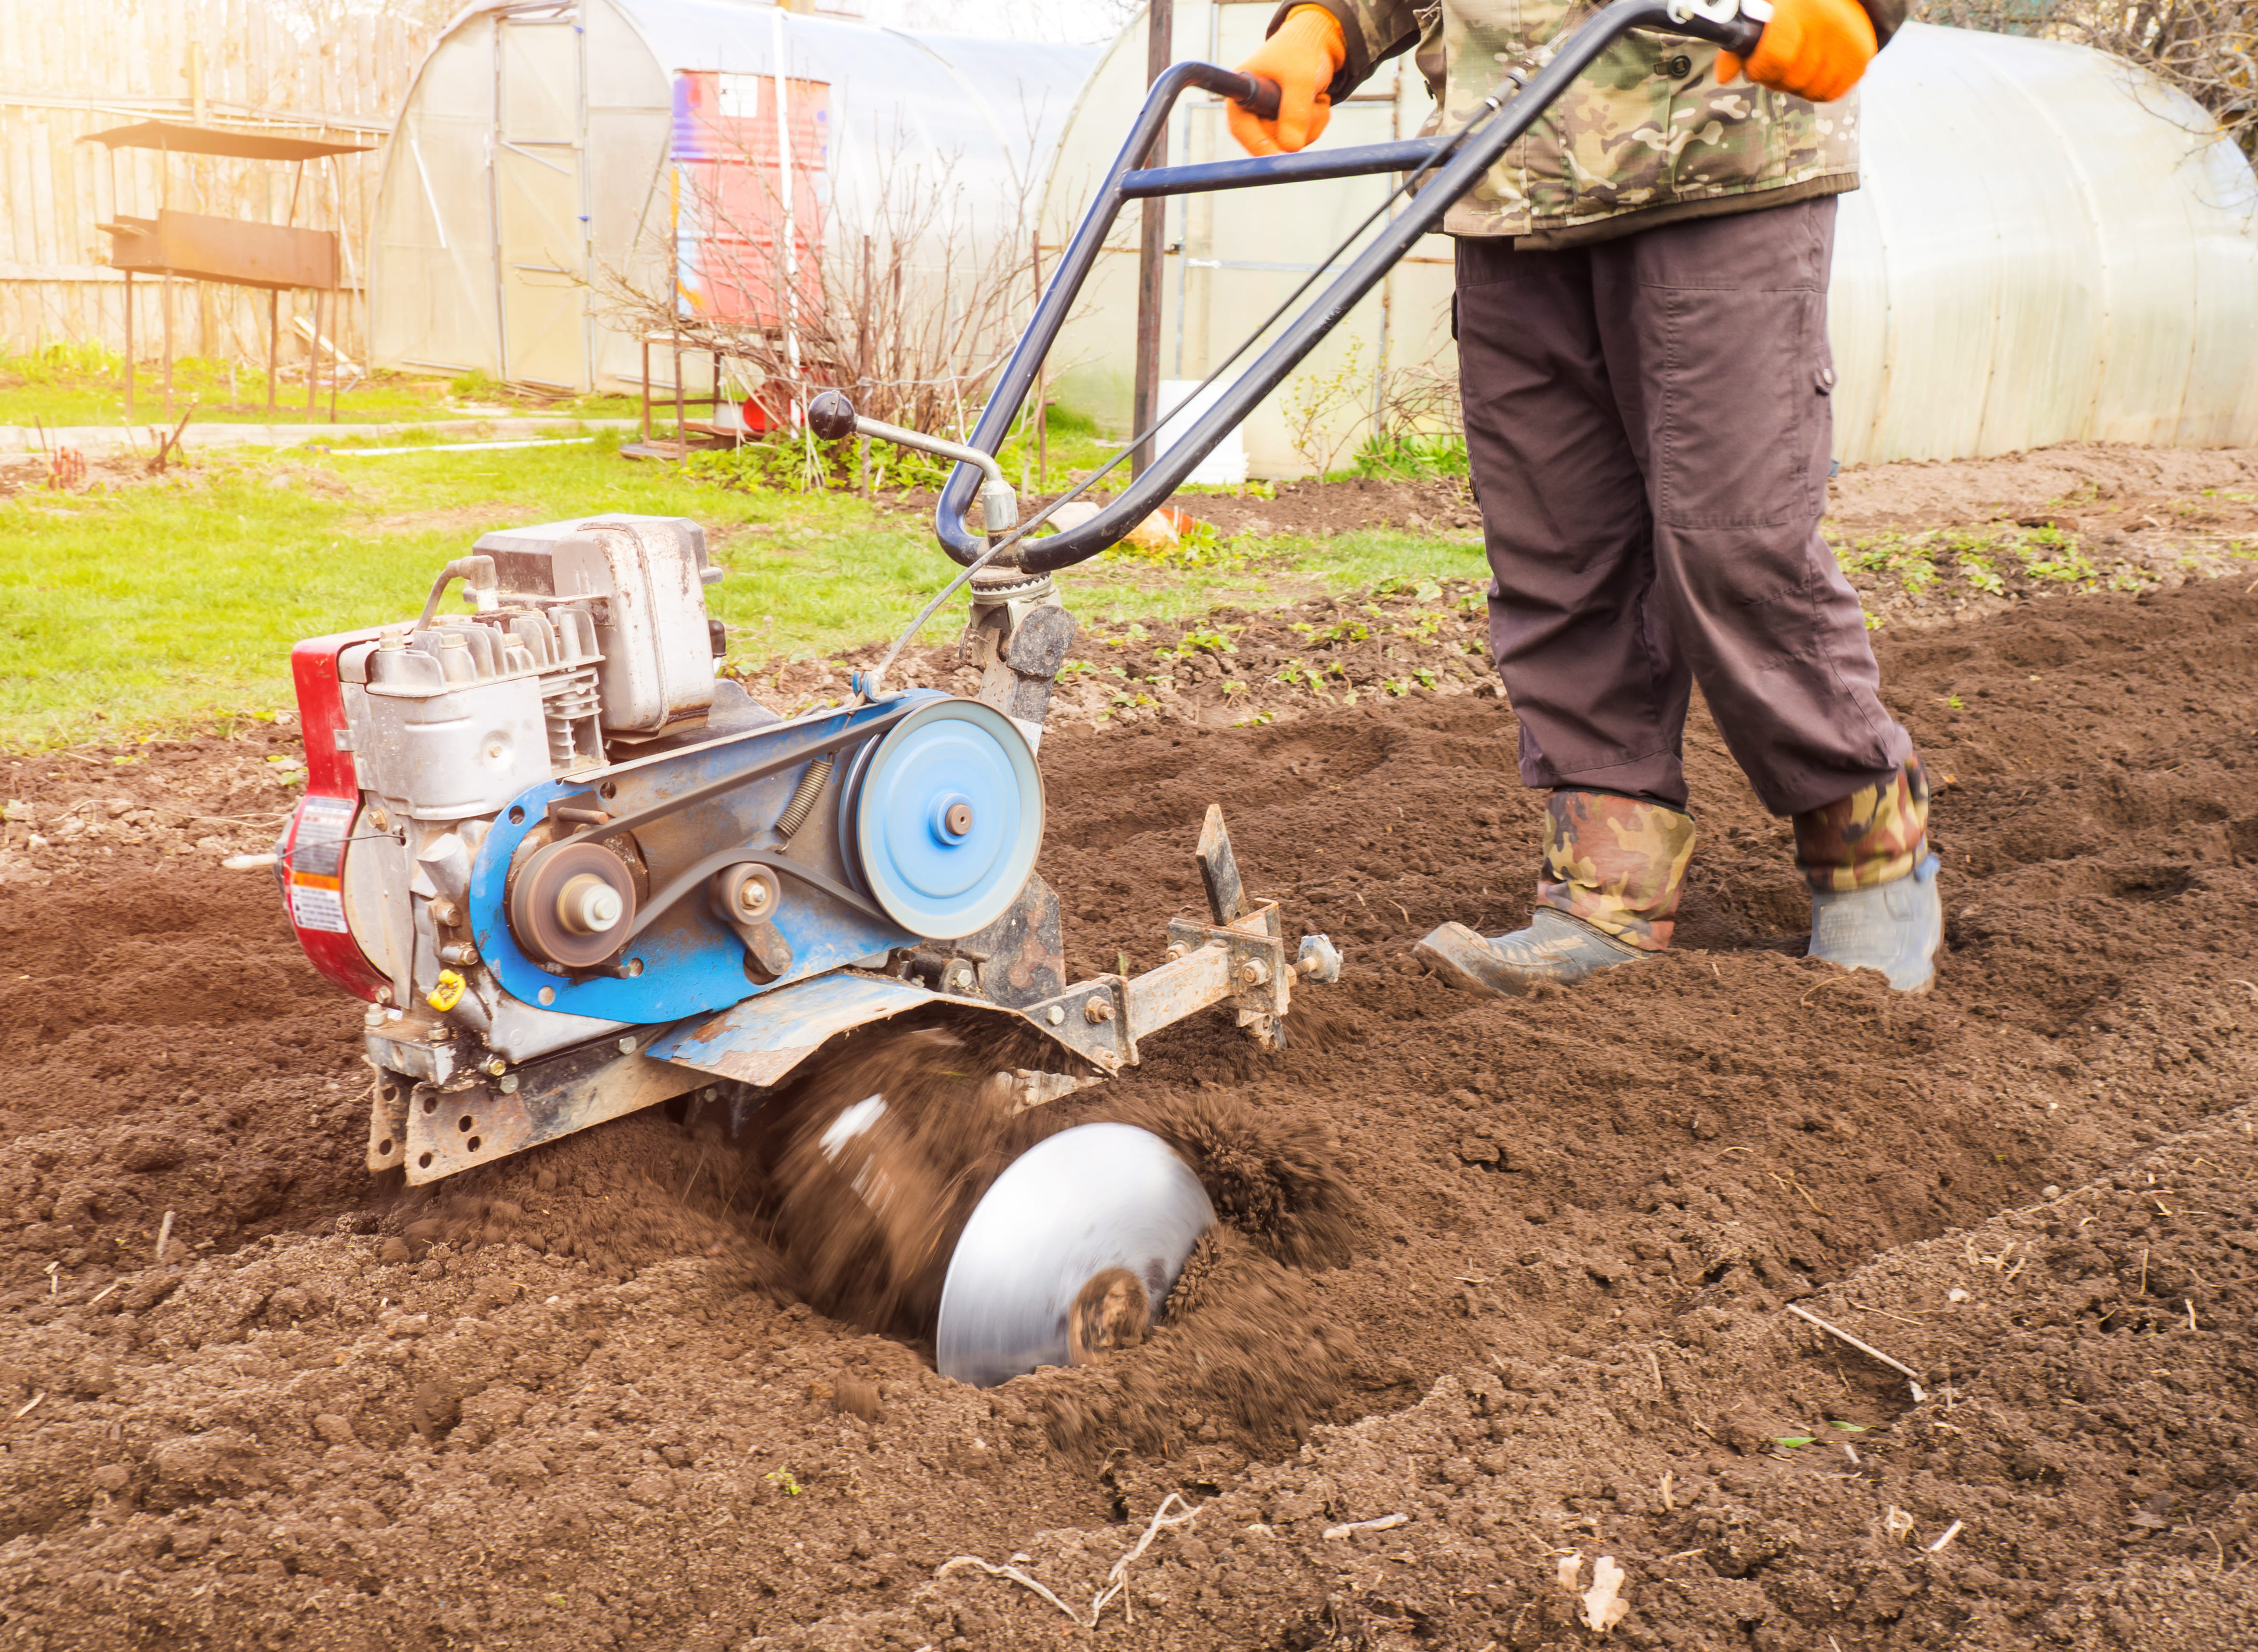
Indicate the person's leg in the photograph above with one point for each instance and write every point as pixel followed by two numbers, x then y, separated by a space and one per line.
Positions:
pixel 1874 900
pixel 1588 666
pixel 1586 660
pixel 1715 338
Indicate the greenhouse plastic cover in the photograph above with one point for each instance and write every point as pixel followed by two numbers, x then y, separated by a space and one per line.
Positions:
pixel 992 110
pixel 2049 245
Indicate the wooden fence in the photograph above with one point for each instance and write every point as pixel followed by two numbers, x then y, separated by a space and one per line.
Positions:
pixel 72 67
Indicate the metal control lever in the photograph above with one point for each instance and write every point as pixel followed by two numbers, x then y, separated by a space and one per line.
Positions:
pixel 1740 23
pixel 832 416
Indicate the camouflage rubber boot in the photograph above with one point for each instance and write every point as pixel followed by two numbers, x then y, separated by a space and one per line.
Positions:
pixel 1874 900
pixel 1613 869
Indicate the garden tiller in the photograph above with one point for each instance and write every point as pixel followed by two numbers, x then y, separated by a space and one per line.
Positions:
pixel 575 873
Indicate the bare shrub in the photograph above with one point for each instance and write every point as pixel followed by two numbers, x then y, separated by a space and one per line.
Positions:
pixel 1418 425
pixel 2206 48
pixel 1314 401
pixel 911 307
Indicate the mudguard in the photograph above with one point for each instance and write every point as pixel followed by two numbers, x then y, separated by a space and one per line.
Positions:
pixel 761 1040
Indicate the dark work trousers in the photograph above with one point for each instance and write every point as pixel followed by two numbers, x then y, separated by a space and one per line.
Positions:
pixel 1648 422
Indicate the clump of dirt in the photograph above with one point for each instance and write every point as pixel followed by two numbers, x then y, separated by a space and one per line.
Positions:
pixel 106 811
pixel 1270 1176
pixel 1246 1353
pixel 164 1048
pixel 1441 504
pixel 2086 487
pixel 869 1161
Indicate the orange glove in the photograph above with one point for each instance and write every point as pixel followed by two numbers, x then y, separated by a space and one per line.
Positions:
pixel 1815 49
pixel 1303 57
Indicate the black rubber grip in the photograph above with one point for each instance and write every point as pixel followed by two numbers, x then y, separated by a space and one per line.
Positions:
pixel 1254 94
pixel 1740 37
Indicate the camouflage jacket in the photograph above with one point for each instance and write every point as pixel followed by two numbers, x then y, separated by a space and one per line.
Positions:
pixel 1646 135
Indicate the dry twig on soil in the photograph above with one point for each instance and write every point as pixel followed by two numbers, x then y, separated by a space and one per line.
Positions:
pixel 1116 1576
pixel 1872 1352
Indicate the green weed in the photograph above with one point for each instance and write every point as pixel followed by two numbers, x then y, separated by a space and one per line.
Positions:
pixel 1202 641
pixel 1978 573
pixel 2071 568
pixel 1411 457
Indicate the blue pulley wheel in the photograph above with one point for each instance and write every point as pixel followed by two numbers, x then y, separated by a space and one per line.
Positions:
pixel 948 818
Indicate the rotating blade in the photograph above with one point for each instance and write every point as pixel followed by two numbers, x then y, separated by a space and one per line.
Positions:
pixel 1076 1210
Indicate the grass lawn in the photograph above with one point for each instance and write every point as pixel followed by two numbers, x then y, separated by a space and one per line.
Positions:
pixel 80 385
pixel 172 605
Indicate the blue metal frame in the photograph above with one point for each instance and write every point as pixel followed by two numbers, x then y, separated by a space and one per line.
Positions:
pixel 761 1040
pixel 691 962
pixel 1408 155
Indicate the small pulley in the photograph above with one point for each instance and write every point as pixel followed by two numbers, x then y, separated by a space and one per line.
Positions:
pixel 574 905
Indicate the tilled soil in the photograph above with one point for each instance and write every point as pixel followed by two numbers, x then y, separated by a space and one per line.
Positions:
pixel 1499 1312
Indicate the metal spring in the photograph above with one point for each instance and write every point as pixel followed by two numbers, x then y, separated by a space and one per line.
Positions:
pixel 803 796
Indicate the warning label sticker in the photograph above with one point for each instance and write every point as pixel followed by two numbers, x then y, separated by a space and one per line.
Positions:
pixel 317 862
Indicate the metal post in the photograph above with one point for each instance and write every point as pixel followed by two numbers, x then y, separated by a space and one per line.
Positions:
pixel 165 199
pixel 681 427
pixel 789 309
pixel 273 345
pixel 1184 246
pixel 129 342
pixel 1387 281
pixel 314 355
pixel 336 297
pixel 646 390
pixel 866 367
pixel 1152 222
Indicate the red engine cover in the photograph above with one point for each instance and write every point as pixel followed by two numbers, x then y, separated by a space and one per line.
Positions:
pixel 313 847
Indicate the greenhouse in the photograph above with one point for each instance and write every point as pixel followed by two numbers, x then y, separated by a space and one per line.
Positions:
pixel 559 170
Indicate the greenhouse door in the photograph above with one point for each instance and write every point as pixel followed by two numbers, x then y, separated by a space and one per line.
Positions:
pixel 542 240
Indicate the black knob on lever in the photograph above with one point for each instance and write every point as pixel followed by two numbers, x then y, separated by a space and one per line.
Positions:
pixel 831 416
